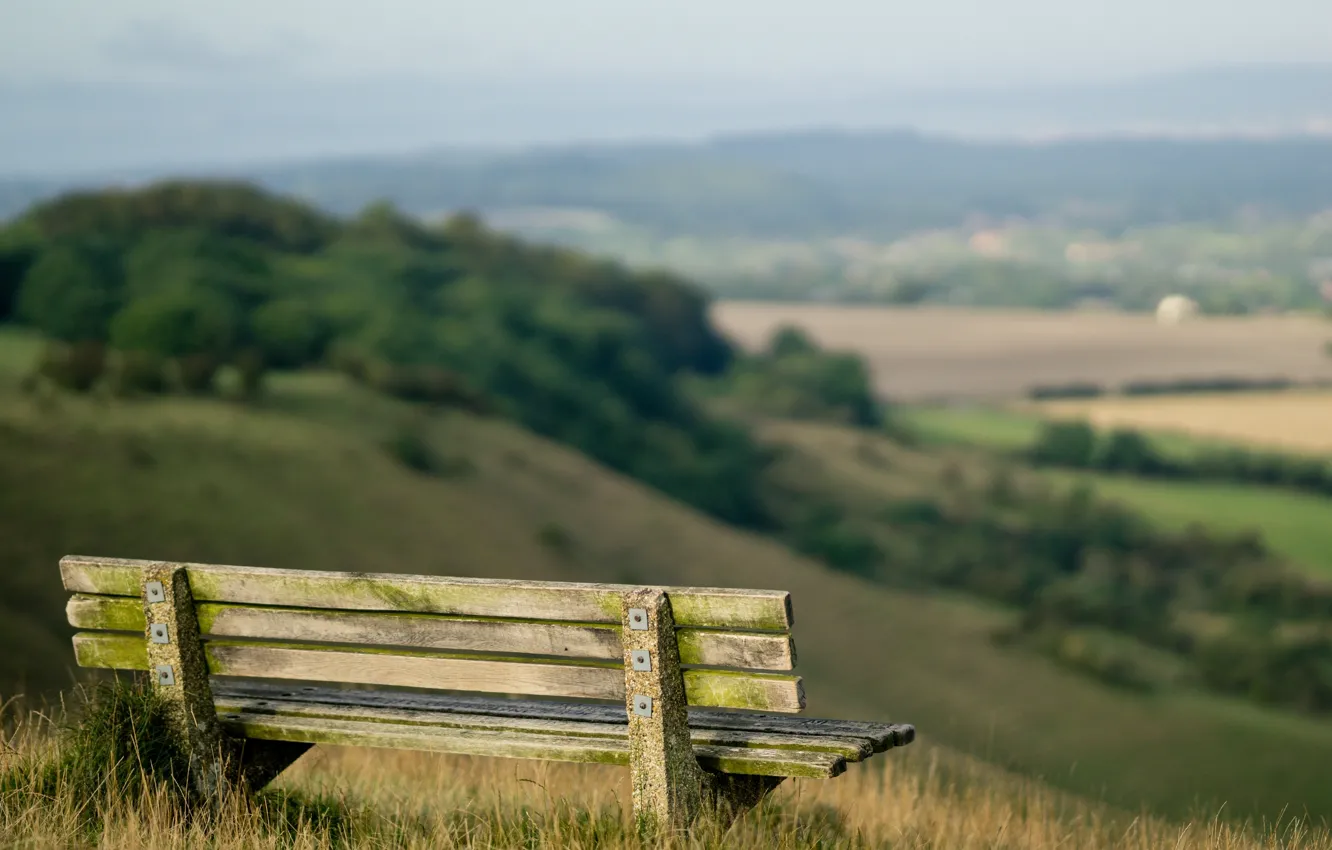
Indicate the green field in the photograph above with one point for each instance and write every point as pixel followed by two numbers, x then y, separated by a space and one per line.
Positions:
pixel 1297 526
pixel 300 480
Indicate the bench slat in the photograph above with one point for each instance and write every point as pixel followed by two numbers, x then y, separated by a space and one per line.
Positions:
pixel 702 607
pixel 883 736
pixel 447 671
pixel 852 749
pixel 516 744
pixel 747 650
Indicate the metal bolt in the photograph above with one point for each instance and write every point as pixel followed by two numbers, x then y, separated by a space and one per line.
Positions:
pixel 158 632
pixel 638 619
pixel 642 705
pixel 642 659
pixel 155 591
pixel 165 675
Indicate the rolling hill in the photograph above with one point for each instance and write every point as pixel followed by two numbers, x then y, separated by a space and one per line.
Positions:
pixel 300 479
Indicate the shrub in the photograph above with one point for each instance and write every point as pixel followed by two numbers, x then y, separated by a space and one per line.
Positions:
pixel 1082 389
pixel 1065 444
pixel 252 367
pixel 1129 451
pixel 196 373
pixel 408 446
pixel 139 372
pixel 77 367
pixel 556 538
pixel 825 533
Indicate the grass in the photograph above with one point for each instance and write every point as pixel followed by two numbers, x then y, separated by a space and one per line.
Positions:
pixel 994 428
pixel 55 796
pixel 301 480
pixel 1296 525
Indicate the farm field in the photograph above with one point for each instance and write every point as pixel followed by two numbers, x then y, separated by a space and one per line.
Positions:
pixel 301 480
pixel 1296 525
pixel 936 352
pixel 1292 420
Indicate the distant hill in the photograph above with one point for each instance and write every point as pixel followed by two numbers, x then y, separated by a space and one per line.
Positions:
pixel 759 170
pixel 823 183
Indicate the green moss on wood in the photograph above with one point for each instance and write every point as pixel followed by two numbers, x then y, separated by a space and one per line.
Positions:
pixel 728 689
pixel 114 652
pixel 113 613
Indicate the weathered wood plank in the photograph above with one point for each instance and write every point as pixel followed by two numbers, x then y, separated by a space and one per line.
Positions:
pixel 486 742
pixel 448 671
pixel 747 650
pixel 851 748
pixel 882 736
pixel 113 613
pixel 481 742
pixel 416 670
pixel 114 652
pixel 702 607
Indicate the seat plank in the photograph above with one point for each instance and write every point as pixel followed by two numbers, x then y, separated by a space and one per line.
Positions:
pixel 447 671
pixel 883 736
pixel 850 748
pixel 748 650
pixel 520 744
pixel 700 607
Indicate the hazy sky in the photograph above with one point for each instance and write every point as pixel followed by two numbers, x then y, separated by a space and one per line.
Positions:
pixel 850 42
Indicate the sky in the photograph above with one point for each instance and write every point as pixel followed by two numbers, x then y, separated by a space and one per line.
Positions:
pixel 96 84
pixel 880 43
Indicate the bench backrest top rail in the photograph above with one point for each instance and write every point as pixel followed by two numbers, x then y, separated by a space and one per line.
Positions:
pixel 700 607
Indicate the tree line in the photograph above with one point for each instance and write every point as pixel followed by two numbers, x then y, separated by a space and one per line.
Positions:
pixel 1078 445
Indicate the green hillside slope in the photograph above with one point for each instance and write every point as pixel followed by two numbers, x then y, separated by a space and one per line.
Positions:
pixel 301 480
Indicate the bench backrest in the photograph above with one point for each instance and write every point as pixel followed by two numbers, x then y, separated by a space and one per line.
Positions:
pixel 551 639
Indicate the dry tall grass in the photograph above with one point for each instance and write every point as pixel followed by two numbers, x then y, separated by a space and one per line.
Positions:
pixel 336 797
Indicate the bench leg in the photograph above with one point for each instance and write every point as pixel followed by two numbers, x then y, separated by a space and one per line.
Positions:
pixel 732 795
pixel 670 790
pixel 179 675
pixel 667 781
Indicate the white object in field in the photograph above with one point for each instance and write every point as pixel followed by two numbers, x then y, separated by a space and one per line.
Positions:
pixel 1174 309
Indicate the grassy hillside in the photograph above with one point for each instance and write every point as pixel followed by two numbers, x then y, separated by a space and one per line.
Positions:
pixel 300 479
pixel 1296 525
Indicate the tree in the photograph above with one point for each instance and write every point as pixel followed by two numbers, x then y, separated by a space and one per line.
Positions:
pixel 290 332
pixel 1065 444
pixel 70 294
pixel 1129 451
pixel 789 340
pixel 177 323
pixel 196 328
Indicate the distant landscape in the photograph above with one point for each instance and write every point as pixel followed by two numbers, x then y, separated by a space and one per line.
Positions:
pixel 207 371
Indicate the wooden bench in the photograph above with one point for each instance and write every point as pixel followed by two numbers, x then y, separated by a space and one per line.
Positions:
pixel 645 677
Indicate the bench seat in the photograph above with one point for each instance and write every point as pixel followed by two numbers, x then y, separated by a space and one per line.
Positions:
pixel 725 742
